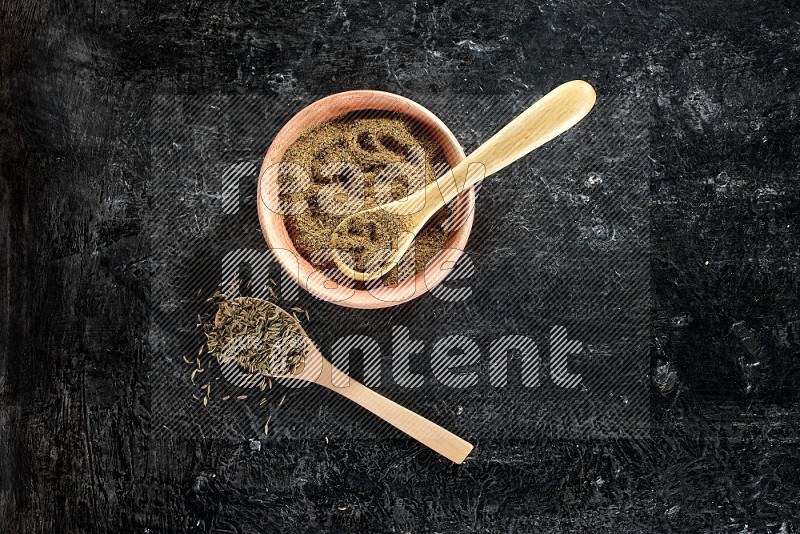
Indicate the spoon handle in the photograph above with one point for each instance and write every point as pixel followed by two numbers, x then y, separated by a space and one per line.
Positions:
pixel 555 113
pixel 430 434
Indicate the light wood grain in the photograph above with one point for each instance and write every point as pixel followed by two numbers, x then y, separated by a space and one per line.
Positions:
pixel 549 117
pixel 414 425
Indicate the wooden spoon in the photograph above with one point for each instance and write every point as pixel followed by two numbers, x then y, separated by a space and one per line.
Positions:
pixel 552 115
pixel 316 368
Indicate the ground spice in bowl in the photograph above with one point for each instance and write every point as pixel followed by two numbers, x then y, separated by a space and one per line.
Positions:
pixel 369 239
pixel 353 163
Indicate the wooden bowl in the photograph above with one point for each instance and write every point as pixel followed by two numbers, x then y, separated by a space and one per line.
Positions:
pixel 275 233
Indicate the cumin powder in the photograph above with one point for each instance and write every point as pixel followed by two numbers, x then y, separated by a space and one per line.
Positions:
pixel 355 163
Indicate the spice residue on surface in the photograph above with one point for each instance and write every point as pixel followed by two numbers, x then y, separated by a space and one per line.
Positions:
pixel 392 158
pixel 258 335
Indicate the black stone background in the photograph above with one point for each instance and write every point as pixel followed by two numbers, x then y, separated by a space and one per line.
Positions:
pixel 76 452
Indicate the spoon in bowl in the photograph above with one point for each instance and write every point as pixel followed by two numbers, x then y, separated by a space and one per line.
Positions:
pixel 397 223
pixel 314 367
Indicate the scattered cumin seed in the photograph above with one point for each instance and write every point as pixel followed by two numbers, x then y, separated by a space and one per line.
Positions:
pixel 298 309
pixel 241 397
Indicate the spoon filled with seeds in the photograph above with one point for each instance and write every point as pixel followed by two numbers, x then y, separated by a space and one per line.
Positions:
pixel 264 339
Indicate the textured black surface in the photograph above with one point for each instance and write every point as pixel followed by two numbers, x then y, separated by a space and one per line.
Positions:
pixel 560 241
pixel 76 447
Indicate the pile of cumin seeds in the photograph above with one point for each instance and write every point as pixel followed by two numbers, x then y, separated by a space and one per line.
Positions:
pixel 258 335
